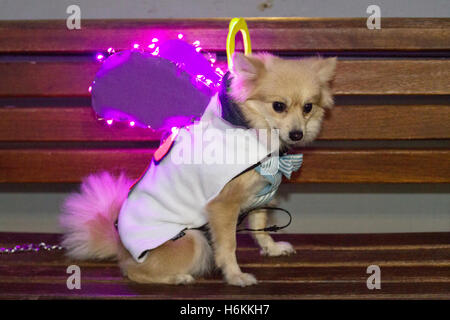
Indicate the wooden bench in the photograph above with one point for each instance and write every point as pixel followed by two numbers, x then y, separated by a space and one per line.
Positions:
pixel 391 124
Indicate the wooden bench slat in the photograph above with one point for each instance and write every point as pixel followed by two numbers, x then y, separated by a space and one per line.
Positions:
pixel 375 166
pixel 354 77
pixel 390 122
pixel 320 166
pixel 64 124
pixel 268 34
pixel 350 241
pixel 382 122
pixel 307 258
pixel 112 274
pixel 264 290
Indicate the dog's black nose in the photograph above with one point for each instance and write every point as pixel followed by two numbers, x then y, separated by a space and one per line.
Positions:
pixel 296 135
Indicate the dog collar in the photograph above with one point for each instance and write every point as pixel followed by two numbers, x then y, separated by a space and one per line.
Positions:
pixel 230 110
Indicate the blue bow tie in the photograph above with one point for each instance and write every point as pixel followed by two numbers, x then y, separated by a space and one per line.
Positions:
pixel 290 163
pixel 272 169
pixel 285 164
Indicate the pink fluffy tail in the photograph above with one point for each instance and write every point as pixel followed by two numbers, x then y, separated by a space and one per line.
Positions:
pixel 88 217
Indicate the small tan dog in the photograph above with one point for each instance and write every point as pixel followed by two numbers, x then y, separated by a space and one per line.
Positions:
pixel 271 93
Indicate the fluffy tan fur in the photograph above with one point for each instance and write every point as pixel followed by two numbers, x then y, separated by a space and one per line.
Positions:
pixel 260 80
pixel 88 217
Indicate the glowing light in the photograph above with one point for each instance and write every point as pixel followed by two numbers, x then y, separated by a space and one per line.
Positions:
pixel 90 89
pixel 207 78
pixel 156 52
pixel 180 65
pixel 174 130
pixel 219 71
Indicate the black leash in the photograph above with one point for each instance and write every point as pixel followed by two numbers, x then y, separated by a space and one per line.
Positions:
pixel 273 228
pixel 242 216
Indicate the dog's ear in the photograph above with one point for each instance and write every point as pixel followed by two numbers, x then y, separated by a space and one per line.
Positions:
pixel 247 67
pixel 326 69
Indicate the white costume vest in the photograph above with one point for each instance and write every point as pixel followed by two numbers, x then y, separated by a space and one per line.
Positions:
pixel 172 194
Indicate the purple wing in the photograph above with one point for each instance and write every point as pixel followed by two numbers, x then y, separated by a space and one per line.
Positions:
pixel 151 90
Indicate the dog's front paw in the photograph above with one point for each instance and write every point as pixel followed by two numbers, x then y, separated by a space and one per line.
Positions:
pixel 280 248
pixel 241 279
pixel 183 279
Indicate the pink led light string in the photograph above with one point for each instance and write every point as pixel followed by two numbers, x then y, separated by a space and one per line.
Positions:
pixel 153 48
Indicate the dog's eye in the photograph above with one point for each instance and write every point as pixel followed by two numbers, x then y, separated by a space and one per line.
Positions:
pixel 307 108
pixel 279 106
